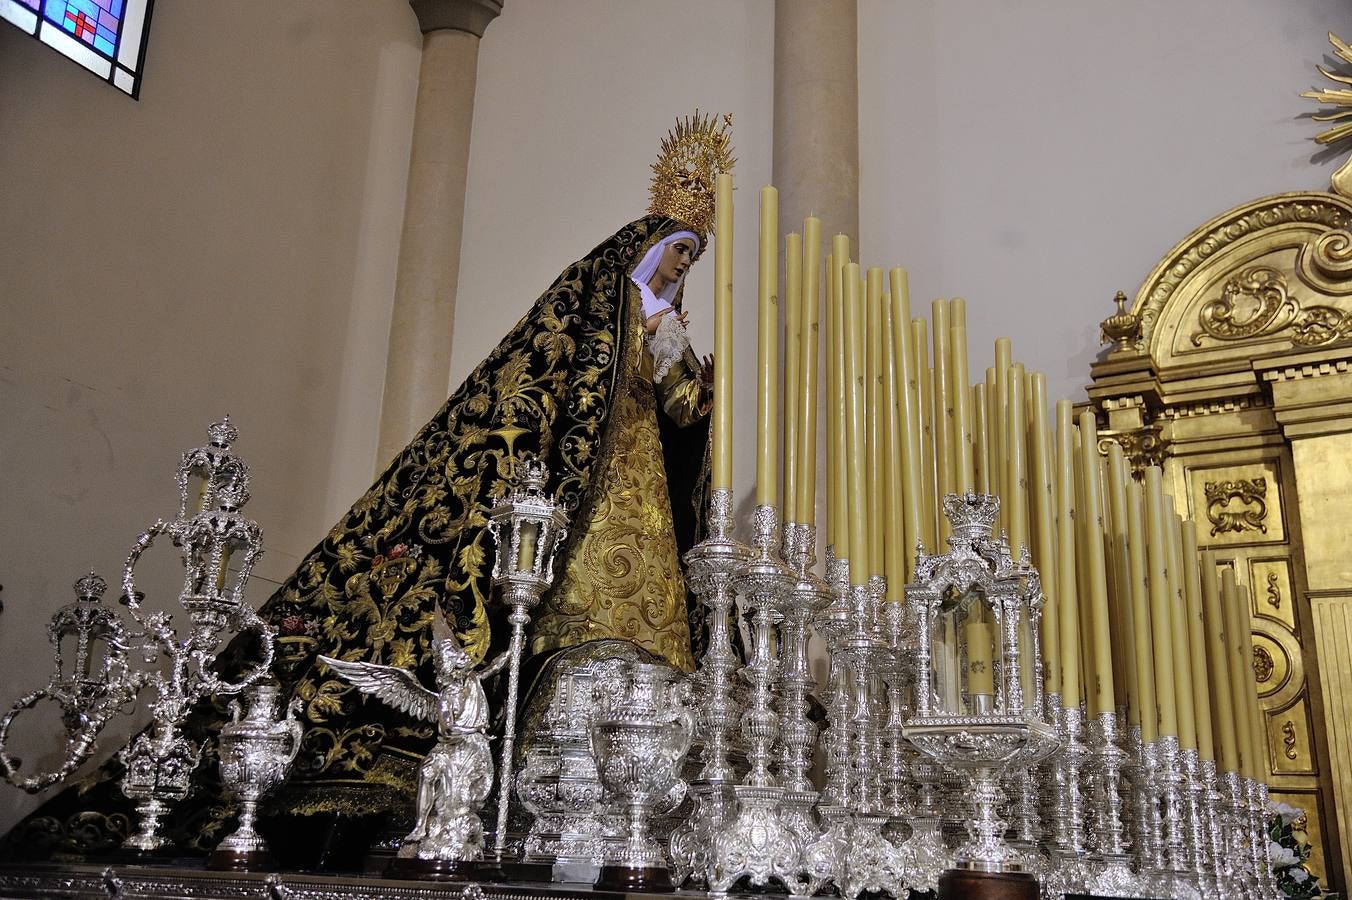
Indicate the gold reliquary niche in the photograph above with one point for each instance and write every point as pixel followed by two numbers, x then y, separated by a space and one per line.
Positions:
pixel 1238 505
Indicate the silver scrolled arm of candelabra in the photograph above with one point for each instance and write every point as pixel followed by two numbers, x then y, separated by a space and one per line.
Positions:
pixel 90 689
pixel 209 532
pixel 528 527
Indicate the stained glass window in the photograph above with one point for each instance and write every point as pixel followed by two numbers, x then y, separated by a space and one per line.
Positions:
pixel 107 37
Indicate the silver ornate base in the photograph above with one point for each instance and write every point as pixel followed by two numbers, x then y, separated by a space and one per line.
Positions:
pixel 757 844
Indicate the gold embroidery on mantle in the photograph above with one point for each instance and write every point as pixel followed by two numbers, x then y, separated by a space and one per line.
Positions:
pixel 1250 492
pixel 622 578
pixel 1256 304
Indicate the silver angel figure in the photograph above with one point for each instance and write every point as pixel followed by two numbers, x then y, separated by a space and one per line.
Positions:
pixel 457 775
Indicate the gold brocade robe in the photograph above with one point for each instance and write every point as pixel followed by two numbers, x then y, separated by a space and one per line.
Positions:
pixel 621 575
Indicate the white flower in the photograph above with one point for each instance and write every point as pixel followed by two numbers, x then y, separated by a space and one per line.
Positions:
pixel 1280 857
pixel 1299 875
pixel 1288 813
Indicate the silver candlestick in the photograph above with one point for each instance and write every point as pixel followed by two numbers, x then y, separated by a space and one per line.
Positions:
pixel 1068 872
pixel 1175 876
pixel 1113 876
pixel 527 527
pixel 757 843
pixel 798 734
pixel 711 564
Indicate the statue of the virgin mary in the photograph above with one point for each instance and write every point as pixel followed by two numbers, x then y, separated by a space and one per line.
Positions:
pixel 599 381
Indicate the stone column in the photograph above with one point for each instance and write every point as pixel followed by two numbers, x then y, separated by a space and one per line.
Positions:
pixel 418 364
pixel 816 140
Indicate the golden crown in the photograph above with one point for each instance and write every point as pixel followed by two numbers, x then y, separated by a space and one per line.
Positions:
pixel 694 153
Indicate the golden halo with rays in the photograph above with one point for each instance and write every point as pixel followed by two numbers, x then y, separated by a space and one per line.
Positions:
pixel 693 154
pixel 1341 100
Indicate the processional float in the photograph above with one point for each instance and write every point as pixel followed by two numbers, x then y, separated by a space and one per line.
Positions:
pixel 1011 635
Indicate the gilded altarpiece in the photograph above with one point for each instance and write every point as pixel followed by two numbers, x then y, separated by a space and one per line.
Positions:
pixel 1231 368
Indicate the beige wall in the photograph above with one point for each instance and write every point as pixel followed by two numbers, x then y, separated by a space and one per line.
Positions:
pixel 226 244
pixel 237 253
pixel 1036 157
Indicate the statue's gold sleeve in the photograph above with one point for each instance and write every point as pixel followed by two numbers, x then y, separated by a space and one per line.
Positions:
pixel 682 396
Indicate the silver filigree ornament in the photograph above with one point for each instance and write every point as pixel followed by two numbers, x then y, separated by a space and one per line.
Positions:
pixel 456 776
pixel 210 533
pixel 983 735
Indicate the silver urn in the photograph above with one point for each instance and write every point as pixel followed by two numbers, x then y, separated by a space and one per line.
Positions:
pixel 256 747
pixel 641 731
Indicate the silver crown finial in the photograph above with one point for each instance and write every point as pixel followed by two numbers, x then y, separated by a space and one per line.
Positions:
pixel 91 586
pixel 222 433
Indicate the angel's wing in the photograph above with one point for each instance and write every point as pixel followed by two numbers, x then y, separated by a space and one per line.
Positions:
pixel 397 687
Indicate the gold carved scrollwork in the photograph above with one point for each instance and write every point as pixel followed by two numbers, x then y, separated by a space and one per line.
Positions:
pixel 1274 593
pixel 1256 304
pixel 1250 492
pixel 1263 665
pixel 1289 739
pixel 1142 447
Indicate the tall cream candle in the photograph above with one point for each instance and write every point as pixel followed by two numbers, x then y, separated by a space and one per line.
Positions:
pixel 1004 358
pixel 960 395
pixel 995 461
pixel 721 477
pixel 834 362
pixel 1192 593
pixel 875 422
pixel 808 362
pixel 1161 622
pixel 1218 669
pixel 1178 624
pixel 1102 698
pixel 1068 610
pixel 1146 712
pixel 1015 499
pixel 793 351
pixel 943 413
pixel 854 413
pixel 1259 768
pixel 907 401
pixel 1119 598
pixel 894 562
pixel 839 443
pixel 980 440
pixel 929 478
pixel 1041 465
pixel 1239 646
pixel 767 399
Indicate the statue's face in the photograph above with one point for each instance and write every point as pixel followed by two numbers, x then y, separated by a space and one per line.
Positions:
pixel 676 259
